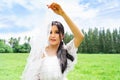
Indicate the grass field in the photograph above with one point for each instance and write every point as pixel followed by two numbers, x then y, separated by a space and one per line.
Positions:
pixel 88 67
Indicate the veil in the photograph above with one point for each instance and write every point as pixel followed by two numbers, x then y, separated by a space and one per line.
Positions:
pixel 38 42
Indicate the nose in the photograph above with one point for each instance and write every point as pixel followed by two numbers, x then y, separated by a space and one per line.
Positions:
pixel 53 35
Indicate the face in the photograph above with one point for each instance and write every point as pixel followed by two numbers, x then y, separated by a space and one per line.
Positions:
pixel 54 37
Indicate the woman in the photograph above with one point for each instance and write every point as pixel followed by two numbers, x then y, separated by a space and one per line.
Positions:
pixel 56 59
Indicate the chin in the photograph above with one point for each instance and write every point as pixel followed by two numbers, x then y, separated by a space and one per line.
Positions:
pixel 53 44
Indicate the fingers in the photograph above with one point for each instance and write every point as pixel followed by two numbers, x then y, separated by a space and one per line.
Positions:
pixel 53 6
pixel 56 8
pixel 48 6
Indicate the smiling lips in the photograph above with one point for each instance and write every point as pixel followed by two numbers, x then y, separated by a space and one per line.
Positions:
pixel 53 40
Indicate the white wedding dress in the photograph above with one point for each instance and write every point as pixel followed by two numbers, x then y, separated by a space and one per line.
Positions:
pixel 47 68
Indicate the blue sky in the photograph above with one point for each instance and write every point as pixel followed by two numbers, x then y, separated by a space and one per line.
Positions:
pixel 24 17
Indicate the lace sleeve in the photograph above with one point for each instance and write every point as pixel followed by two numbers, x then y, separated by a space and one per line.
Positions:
pixel 72 50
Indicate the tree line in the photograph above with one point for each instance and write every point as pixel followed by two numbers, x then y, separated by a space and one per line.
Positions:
pixel 13 45
pixel 95 41
pixel 101 41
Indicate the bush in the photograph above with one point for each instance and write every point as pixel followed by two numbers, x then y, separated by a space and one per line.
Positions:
pixel 8 49
pixel 2 50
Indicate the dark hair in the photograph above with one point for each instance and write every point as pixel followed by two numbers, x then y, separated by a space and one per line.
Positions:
pixel 62 53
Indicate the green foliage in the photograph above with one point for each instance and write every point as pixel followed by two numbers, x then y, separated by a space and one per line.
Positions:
pixel 102 41
pixel 98 41
pixel 67 37
pixel 4 48
pixel 14 45
pixel 8 49
pixel 25 48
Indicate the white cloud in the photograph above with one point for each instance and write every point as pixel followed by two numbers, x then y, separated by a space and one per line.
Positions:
pixel 3 25
pixel 83 15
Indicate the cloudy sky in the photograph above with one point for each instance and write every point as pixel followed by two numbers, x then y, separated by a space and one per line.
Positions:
pixel 25 17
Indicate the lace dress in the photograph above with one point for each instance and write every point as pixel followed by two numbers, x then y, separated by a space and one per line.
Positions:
pixel 48 68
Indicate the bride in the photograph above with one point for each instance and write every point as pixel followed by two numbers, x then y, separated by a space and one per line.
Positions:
pixel 55 60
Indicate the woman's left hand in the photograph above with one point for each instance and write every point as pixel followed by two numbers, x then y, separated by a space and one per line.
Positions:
pixel 56 8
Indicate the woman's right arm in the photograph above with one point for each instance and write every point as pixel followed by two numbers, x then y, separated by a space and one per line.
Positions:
pixel 78 35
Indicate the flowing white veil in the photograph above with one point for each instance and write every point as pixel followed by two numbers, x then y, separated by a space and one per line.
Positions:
pixel 38 43
pixel 40 38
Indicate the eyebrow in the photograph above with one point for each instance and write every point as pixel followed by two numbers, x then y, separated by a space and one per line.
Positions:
pixel 54 30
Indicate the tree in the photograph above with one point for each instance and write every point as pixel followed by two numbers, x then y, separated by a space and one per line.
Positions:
pixel 95 41
pixel 83 46
pixel 108 42
pixel 67 37
pixel 114 40
pixel 90 41
pixel 102 41
pixel 118 42
pixel 16 45
pixel 4 48
pixel 25 48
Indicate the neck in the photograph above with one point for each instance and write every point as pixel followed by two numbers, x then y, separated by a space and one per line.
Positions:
pixel 53 47
pixel 52 50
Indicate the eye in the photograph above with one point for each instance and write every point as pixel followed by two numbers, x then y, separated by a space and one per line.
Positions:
pixel 50 32
pixel 57 32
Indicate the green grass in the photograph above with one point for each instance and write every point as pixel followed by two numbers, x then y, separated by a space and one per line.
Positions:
pixel 96 67
pixel 11 66
pixel 88 67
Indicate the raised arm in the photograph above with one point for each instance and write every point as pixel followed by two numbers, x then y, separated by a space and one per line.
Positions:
pixel 78 35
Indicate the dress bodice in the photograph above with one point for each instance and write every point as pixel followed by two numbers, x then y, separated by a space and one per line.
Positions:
pixel 50 68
